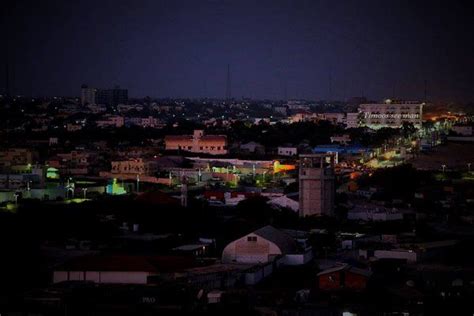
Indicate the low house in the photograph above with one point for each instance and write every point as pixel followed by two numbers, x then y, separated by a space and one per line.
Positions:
pixel 252 148
pixel 368 212
pixel 343 277
pixel 111 269
pixel 197 143
pixel 412 252
pixel 196 250
pixel 287 151
pixel 286 202
pixel 266 245
pixel 341 139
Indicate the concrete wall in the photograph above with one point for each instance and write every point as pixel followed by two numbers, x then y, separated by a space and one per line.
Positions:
pixel 258 274
pixel 297 259
pixel 396 254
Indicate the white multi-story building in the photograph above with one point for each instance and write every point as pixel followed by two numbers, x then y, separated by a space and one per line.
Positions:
pixel 352 120
pixel 391 113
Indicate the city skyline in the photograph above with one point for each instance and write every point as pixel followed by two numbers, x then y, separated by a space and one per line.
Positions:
pixel 302 50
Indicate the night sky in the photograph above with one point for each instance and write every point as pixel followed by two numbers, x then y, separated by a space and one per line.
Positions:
pixel 178 48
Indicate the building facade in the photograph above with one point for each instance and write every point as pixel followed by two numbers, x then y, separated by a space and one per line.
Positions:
pixel 198 143
pixel 317 187
pixel 261 246
pixel 352 120
pixel 391 113
pixel 134 166
pixel 112 97
pixel 88 95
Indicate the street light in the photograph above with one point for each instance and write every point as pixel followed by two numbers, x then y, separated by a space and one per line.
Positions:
pixel 84 190
pixel 444 168
pixel 138 183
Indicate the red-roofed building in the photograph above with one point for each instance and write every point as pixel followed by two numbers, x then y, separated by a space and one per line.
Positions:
pixel 343 277
pixel 198 143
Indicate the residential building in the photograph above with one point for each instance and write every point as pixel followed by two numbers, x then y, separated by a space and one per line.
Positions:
pixel 341 139
pixel 111 121
pixel 252 148
pixel 287 151
pixel 286 202
pixel 134 166
pixel 145 122
pixel 352 120
pixel 463 130
pixel 343 277
pixel 198 143
pixel 17 157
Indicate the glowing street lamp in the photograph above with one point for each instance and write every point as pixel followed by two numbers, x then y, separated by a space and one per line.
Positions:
pixel 443 167
pixel 84 191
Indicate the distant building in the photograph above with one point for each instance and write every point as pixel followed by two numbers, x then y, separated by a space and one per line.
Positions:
pixel 252 148
pixel 134 166
pixel 198 143
pixel 145 122
pixel 120 269
pixel 112 97
pixel 391 114
pixel 88 95
pixel 376 214
pixel 352 120
pixel 335 118
pixel 343 277
pixel 265 245
pixel 464 130
pixel 287 151
pixel 285 201
pixel 111 121
pixel 341 139
pixel 17 157
pixel 317 187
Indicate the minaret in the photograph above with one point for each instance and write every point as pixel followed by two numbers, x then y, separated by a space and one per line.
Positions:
pixel 7 80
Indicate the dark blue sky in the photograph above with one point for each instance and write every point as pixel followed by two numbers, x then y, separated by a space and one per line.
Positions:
pixel 181 48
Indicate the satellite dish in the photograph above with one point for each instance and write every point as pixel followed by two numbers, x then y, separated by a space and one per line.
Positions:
pixel 200 294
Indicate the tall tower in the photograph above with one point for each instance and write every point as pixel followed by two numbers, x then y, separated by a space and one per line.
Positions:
pixel 7 80
pixel 228 87
pixel 317 188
